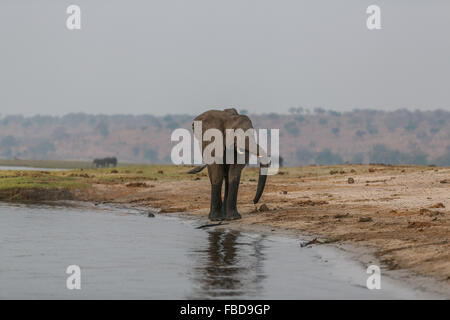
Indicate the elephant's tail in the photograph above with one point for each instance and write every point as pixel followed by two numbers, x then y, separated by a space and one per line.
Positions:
pixel 197 169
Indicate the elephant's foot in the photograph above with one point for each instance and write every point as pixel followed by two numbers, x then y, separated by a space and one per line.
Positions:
pixel 216 215
pixel 232 215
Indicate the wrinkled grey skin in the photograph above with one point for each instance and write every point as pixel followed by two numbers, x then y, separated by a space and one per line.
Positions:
pixel 226 209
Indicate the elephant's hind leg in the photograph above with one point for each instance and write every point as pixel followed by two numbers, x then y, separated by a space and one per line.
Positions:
pixel 215 172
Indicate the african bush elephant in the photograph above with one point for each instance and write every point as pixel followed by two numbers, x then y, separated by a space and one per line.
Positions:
pixel 105 162
pixel 99 163
pixel 226 171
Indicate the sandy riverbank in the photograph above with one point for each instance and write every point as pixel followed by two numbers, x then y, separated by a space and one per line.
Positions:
pixel 400 213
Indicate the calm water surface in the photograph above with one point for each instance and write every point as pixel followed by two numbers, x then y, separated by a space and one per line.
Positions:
pixel 125 254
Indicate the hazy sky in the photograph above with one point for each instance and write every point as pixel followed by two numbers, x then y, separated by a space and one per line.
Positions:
pixel 185 56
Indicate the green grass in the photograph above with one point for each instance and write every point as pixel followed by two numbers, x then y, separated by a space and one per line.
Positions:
pixel 139 172
pixel 38 180
pixel 79 178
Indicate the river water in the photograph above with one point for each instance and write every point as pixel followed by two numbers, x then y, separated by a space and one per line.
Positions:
pixel 125 254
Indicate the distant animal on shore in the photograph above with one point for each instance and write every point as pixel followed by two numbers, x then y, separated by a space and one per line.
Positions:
pixel 230 173
pixel 105 162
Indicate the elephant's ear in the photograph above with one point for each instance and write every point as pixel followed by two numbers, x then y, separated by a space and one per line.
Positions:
pixel 232 111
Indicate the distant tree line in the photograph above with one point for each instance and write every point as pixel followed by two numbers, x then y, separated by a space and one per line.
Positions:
pixel 379 153
pixel 307 136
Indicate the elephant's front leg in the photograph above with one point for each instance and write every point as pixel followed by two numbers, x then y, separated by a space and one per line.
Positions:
pixel 234 177
pixel 225 196
pixel 215 172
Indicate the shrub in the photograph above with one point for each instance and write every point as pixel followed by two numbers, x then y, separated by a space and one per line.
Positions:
pixel 382 154
pixel 292 128
pixel 151 155
pixel 326 157
pixel 360 133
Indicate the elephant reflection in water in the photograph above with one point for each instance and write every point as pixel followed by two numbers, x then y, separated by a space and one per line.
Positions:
pixel 230 266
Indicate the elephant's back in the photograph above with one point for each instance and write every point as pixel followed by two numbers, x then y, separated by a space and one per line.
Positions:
pixel 212 119
pixel 209 114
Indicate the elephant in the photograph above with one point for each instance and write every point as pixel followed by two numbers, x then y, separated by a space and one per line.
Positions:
pixel 111 161
pixel 105 162
pixel 230 173
pixel 99 163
